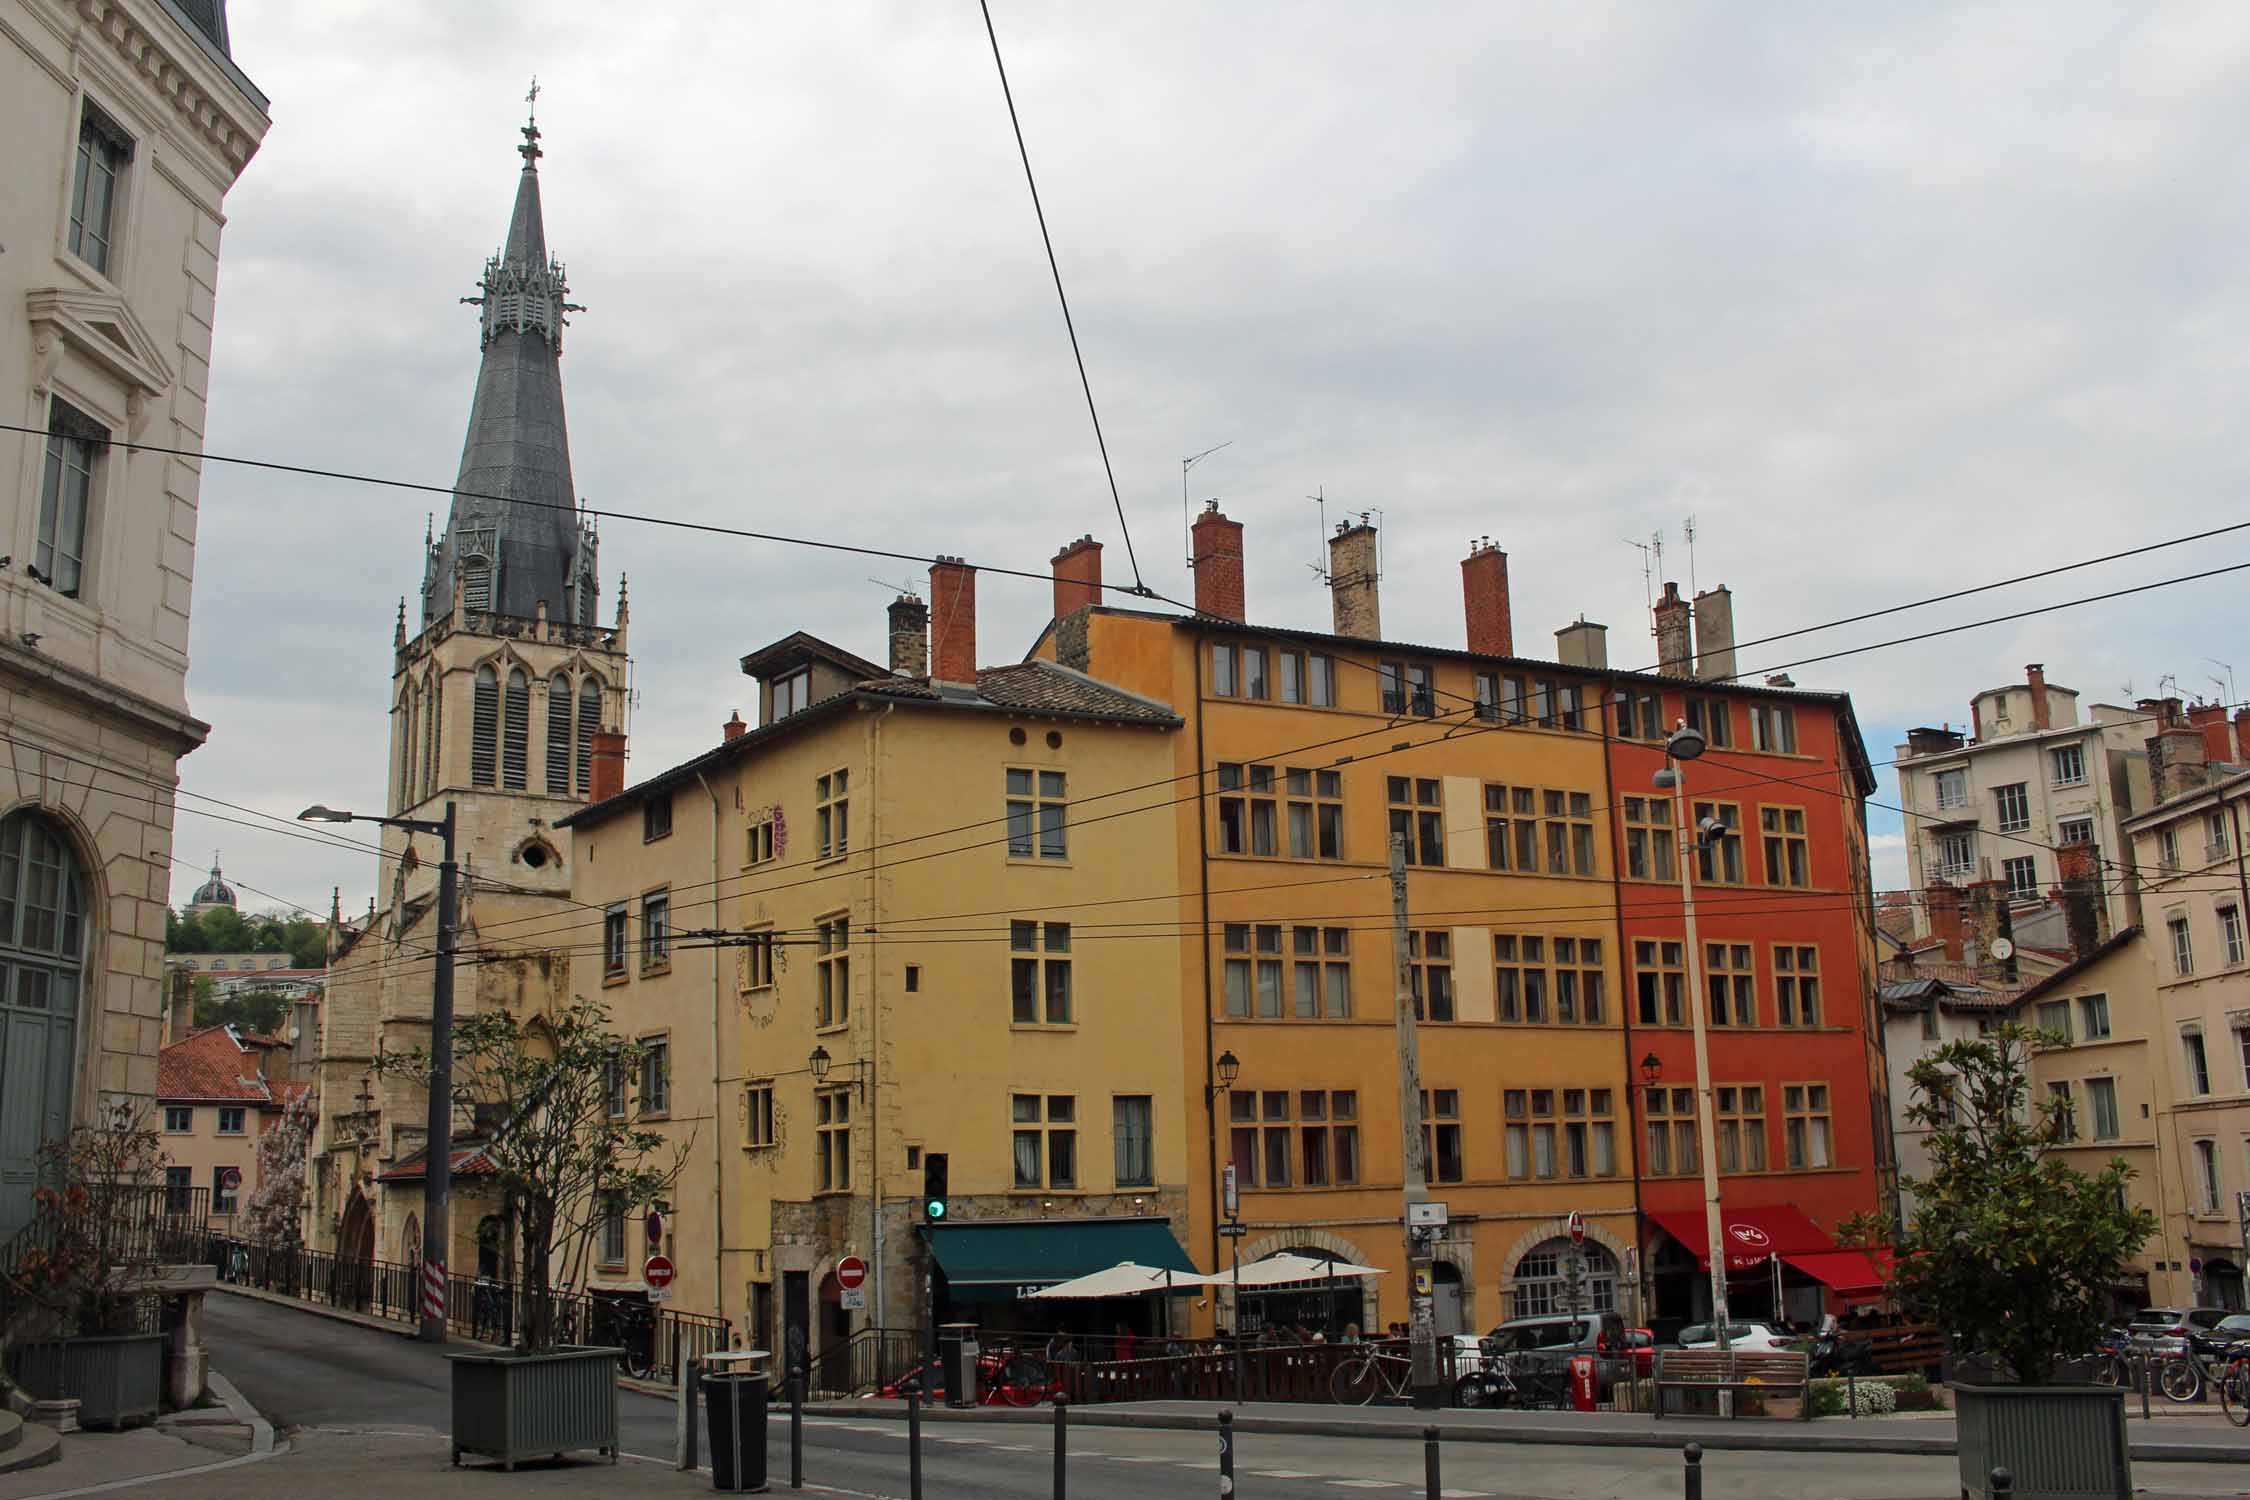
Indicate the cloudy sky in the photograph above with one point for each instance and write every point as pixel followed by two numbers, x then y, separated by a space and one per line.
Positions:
pixel 1891 300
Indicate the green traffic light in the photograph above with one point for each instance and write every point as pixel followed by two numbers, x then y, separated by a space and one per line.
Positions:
pixel 935 1208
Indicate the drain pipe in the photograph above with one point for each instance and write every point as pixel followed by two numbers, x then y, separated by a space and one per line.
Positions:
pixel 718 1068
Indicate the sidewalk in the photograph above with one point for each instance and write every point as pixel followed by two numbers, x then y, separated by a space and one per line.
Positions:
pixel 2184 1439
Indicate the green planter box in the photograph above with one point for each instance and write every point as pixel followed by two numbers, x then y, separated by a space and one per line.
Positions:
pixel 514 1406
pixel 2059 1442
pixel 117 1379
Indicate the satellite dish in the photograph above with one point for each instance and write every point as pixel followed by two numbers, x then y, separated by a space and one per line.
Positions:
pixel 2003 950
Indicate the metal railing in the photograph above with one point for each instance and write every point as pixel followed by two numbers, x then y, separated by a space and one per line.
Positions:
pixel 869 1360
pixel 161 1224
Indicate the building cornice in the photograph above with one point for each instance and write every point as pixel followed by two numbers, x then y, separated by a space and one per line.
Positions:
pixel 180 732
pixel 212 98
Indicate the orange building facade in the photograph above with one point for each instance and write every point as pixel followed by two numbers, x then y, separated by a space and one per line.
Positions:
pixel 1536 922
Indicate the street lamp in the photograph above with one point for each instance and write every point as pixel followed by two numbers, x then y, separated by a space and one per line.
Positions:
pixel 1652 1069
pixel 1681 746
pixel 820 1064
pixel 437 1157
pixel 1230 1068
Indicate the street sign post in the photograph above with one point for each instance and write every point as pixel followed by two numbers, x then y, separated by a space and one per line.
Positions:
pixel 1233 1231
pixel 1230 1193
pixel 657 1272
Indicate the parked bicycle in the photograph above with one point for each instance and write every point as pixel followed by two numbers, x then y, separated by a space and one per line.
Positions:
pixel 1520 1380
pixel 631 1326
pixel 1360 1379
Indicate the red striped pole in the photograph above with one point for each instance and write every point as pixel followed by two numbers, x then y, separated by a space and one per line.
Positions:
pixel 433 1291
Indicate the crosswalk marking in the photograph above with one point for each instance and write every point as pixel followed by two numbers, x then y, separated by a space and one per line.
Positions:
pixel 1283 1474
pixel 1367 1484
pixel 1465 1494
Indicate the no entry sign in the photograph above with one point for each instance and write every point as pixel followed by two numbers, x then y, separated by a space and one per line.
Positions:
pixel 657 1272
pixel 851 1273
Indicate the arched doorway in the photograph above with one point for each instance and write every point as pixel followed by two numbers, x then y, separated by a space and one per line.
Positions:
pixel 355 1253
pixel 42 958
pixel 835 1355
pixel 1556 1276
pixel 1445 1289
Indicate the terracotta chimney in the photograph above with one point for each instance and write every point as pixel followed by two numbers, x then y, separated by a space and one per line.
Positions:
pixel 2036 675
pixel 1352 579
pixel 1078 576
pixel 1714 634
pixel 2210 719
pixel 953 622
pixel 605 768
pixel 1674 656
pixel 1985 919
pixel 2241 735
pixel 1945 917
pixel 1582 644
pixel 1218 565
pixel 2085 916
pixel 1484 596
pixel 734 728
pixel 910 636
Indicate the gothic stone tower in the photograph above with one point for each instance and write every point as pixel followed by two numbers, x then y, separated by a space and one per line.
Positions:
pixel 506 701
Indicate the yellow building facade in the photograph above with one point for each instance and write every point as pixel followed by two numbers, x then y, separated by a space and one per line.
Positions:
pixel 927 885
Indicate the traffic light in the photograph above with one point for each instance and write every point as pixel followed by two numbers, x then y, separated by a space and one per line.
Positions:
pixel 934 1165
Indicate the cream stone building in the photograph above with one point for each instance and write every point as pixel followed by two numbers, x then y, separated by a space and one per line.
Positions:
pixel 125 124
pixel 506 695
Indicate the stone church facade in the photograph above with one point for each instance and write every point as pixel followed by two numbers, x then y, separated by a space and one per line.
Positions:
pixel 507 694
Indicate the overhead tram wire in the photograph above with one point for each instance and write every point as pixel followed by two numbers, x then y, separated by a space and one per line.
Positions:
pixel 1069 326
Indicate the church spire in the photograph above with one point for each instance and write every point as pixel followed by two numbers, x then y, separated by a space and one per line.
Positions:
pixel 514 538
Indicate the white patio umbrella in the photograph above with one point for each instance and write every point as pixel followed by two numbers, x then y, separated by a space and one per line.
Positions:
pixel 1290 1268
pixel 1125 1279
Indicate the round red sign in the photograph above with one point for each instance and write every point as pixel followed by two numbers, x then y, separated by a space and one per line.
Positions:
pixel 851 1273
pixel 658 1271
pixel 1577 1227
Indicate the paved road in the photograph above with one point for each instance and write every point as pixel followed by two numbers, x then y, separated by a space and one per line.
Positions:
pixel 305 1371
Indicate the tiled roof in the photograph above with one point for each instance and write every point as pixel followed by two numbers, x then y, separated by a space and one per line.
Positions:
pixel 214 1065
pixel 468 1161
pixel 1030 687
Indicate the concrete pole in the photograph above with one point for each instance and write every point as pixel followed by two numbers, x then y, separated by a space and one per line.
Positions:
pixel 437 1180
pixel 1421 1312
pixel 1705 1120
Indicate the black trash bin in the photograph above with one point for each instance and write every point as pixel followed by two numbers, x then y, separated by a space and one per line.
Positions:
pixel 734 1402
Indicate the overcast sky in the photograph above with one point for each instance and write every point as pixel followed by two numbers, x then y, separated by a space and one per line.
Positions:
pixel 1892 299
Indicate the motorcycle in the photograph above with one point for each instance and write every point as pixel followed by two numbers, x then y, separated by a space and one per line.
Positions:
pixel 1833 1354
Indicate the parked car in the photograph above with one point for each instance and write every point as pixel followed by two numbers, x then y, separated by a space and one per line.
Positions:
pixel 2165 1330
pixel 1756 1337
pixel 1642 1345
pixel 2214 1341
pixel 1561 1335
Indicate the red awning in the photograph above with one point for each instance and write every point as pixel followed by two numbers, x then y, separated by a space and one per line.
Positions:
pixel 1753 1235
pixel 1852 1273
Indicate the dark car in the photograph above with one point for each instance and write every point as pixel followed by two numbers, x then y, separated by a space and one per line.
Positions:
pixel 2214 1341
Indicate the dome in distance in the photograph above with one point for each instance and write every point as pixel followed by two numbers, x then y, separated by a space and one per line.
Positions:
pixel 213 892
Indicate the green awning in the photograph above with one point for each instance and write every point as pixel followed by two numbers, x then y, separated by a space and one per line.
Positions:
pixel 1004 1261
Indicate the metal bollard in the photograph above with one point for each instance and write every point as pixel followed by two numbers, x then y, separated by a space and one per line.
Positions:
pixel 2144 1386
pixel 914 1443
pixel 1226 1453
pixel 1430 1462
pixel 1694 1490
pixel 2003 1484
pixel 1062 1442
pixel 1851 1393
pixel 797 1427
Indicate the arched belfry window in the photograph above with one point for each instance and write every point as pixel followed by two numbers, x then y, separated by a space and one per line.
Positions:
pixel 409 738
pixel 589 720
pixel 485 731
pixel 429 734
pixel 476 583
pixel 515 732
pixel 559 705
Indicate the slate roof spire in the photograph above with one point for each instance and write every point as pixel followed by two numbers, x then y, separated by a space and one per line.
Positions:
pixel 515 537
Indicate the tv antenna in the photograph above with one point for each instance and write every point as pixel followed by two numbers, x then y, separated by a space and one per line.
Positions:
pixel 896 588
pixel 1652 563
pixel 1689 527
pixel 1319 564
pixel 1187 507
pixel 2228 668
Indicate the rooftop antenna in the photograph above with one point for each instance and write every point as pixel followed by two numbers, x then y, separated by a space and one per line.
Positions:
pixel 1652 563
pixel 2228 668
pixel 1319 564
pixel 1187 507
pixel 1689 527
pixel 896 588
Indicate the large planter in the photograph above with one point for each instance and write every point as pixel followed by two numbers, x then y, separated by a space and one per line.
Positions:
pixel 2059 1442
pixel 514 1406
pixel 116 1378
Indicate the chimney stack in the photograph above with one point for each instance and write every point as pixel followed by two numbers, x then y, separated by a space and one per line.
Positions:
pixel 180 1018
pixel 1714 634
pixel 1218 565
pixel 2036 675
pixel 1582 644
pixel 1078 577
pixel 953 622
pixel 1484 596
pixel 1674 656
pixel 1987 919
pixel 734 728
pixel 2210 720
pixel 910 636
pixel 2241 736
pixel 1352 580
pixel 605 768
pixel 2085 916
pixel 304 1047
pixel 1945 917
pixel 2175 761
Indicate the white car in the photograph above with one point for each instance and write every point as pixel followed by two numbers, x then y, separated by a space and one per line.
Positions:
pixel 1758 1338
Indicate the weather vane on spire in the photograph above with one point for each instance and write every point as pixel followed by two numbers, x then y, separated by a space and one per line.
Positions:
pixel 530 146
pixel 532 98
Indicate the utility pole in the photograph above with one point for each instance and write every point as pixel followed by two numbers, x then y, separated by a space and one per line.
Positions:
pixel 1421 1312
pixel 1683 746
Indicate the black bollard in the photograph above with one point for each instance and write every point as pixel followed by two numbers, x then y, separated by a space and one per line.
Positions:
pixel 1694 1489
pixel 2144 1385
pixel 1062 1442
pixel 797 1427
pixel 914 1442
pixel 1226 1453
pixel 1430 1461
pixel 2003 1484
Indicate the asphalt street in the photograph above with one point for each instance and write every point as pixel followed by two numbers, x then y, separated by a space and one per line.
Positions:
pixel 332 1382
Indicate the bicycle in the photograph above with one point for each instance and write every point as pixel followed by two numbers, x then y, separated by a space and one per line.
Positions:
pixel 1356 1381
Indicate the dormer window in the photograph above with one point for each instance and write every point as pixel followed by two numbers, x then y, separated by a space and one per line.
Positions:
pixel 791 694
